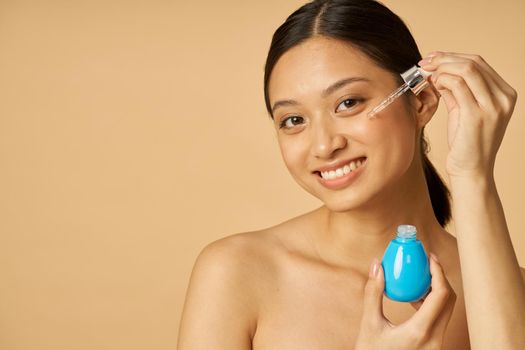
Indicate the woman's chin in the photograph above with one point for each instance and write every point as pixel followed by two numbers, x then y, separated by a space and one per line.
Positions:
pixel 353 200
pixel 343 204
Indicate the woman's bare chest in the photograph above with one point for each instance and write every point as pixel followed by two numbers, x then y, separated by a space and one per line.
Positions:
pixel 310 308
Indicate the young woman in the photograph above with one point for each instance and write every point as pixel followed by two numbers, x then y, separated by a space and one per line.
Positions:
pixel 314 281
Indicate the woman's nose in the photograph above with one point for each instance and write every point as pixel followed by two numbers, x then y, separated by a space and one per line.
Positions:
pixel 326 139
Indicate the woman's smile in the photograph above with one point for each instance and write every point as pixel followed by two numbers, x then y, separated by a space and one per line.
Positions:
pixel 342 177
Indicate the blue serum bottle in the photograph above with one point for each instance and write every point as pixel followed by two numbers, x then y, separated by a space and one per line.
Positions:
pixel 406 267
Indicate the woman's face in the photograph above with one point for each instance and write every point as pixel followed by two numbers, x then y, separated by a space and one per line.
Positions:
pixel 325 126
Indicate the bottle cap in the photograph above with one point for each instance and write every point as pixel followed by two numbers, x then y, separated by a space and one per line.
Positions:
pixel 406 231
pixel 416 78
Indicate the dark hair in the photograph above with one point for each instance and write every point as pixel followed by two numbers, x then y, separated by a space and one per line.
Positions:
pixel 378 32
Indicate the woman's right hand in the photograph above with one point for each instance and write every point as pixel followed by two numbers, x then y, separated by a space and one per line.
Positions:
pixel 424 330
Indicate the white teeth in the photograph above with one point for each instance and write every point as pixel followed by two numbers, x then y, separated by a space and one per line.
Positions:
pixel 332 174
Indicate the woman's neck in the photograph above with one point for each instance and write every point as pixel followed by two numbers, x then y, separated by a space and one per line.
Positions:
pixel 353 238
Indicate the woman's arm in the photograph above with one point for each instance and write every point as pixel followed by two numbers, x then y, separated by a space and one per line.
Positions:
pixel 480 104
pixel 492 282
pixel 219 310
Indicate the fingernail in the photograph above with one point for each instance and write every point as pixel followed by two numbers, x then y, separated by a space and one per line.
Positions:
pixel 433 256
pixel 425 61
pixel 374 267
pixel 433 53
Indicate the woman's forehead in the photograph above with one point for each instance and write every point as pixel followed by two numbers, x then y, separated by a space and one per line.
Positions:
pixel 317 63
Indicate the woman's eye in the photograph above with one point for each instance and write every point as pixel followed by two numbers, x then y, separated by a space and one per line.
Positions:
pixel 284 122
pixel 350 102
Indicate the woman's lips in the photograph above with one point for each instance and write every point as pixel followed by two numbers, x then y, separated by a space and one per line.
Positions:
pixel 343 181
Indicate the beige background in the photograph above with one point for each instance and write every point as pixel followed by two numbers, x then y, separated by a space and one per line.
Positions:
pixel 132 133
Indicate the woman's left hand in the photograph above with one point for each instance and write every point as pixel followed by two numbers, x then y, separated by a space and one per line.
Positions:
pixel 479 103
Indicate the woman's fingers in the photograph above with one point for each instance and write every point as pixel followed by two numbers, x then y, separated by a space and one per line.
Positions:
pixel 490 90
pixel 463 97
pixel 436 301
pixel 476 82
pixel 424 330
pixel 494 77
pixel 373 298
pixel 443 319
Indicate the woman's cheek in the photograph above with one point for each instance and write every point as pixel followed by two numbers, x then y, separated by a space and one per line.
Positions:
pixel 293 152
pixel 388 141
pixel 369 131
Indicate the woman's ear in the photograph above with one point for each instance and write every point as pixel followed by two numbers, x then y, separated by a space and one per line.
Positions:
pixel 425 105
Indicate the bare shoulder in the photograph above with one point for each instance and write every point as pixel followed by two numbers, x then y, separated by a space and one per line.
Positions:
pixel 259 247
pixel 222 299
pixel 240 256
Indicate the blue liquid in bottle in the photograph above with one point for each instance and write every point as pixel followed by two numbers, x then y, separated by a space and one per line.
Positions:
pixel 406 267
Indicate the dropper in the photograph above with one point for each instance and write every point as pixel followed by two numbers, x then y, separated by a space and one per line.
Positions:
pixel 415 79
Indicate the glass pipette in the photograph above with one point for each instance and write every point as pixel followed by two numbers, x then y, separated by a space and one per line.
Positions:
pixel 415 80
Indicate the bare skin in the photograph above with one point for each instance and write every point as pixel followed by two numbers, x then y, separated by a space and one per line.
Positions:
pixel 309 303
pixel 300 284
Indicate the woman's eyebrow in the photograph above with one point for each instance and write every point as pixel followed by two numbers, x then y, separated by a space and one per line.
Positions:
pixel 329 90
